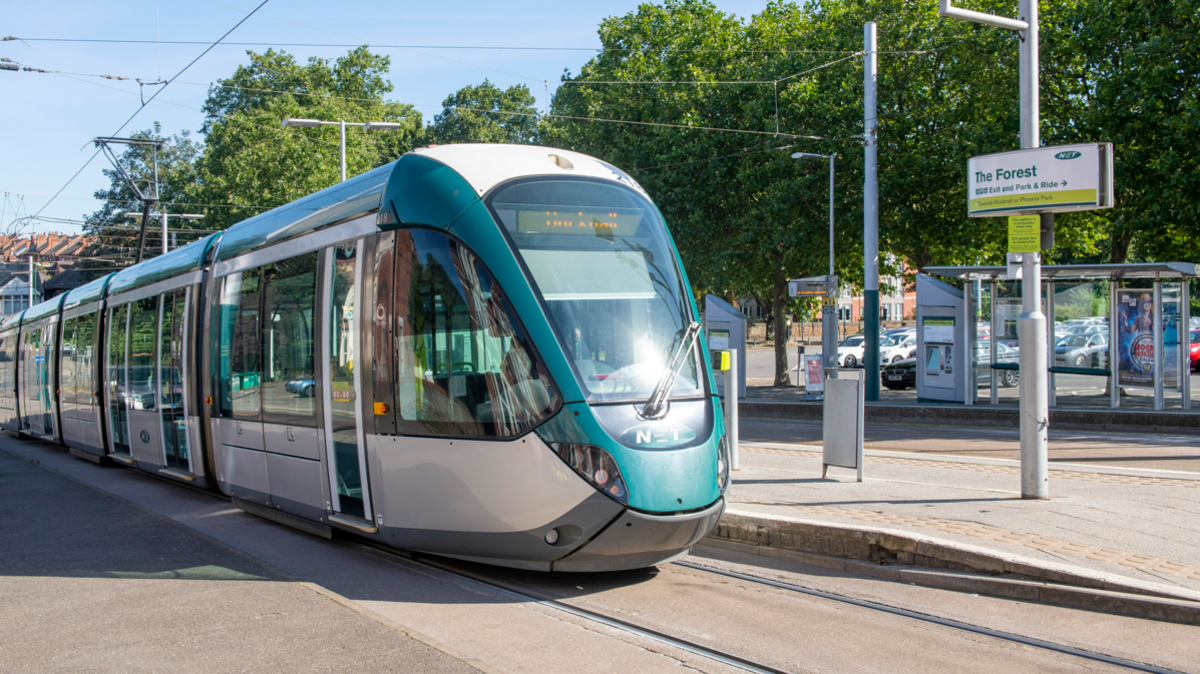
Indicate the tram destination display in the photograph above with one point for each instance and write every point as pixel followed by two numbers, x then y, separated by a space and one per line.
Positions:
pixel 1041 180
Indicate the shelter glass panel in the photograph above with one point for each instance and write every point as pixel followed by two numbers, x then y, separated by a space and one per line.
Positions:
pixel 289 304
pixel 118 415
pixel 466 366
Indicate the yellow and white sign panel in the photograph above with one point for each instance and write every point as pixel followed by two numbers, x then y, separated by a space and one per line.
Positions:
pixel 1041 180
pixel 1024 233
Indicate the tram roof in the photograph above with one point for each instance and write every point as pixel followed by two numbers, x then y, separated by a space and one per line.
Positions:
pixel 179 261
pixel 481 165
pixel 88 292
pixel 356 196
pixel 42 310
pixel 485 165
pixel 12 320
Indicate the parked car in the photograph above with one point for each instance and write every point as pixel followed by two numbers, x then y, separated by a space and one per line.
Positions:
pixel 1082 350
pixel 1195 349
pixel 850 353
pixel 899 347
pixel 900 374
pixel 1004 354
pixel 305 387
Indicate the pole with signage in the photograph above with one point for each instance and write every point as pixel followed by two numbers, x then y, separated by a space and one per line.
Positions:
pixel 824 287
pixel 1017 188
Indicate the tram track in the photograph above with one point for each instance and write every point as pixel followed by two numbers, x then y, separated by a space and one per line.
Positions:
pixel 524 593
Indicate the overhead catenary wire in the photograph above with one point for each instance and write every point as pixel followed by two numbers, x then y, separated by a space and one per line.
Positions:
pixel 143 106
pixel 371 42
pixel 379 45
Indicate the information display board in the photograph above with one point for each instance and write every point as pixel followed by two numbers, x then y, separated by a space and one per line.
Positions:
pixel 1041 180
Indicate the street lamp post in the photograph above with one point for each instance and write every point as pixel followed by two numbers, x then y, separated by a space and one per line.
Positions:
pixel 342 124
pixel 828 318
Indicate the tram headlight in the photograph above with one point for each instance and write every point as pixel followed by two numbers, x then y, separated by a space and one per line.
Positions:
pixel 596 466
pixel 723 464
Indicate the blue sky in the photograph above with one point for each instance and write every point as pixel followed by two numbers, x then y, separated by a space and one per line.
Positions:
pixel 47 121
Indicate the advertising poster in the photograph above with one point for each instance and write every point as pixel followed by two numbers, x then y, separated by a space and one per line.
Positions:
pixel 814 375
pixel 1135 339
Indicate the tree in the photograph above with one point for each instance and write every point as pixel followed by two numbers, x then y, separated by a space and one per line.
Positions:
pixel 117 235
pixel 486 114
pixel 1129 73
pixel 252 163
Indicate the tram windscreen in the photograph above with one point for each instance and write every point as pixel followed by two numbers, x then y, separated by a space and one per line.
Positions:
pixel 599 255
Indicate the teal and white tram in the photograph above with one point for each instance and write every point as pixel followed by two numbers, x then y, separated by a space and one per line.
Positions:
pixel 488 352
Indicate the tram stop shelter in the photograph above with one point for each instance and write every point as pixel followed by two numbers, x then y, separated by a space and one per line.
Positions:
pixel 1117 333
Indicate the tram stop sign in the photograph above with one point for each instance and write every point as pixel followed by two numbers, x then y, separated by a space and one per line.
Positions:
pixel 1041 180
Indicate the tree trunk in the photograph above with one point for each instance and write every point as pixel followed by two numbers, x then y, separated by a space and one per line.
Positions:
pixel 779 310
pixel 1119 250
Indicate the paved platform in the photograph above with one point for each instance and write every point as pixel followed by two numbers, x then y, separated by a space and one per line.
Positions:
pixel 93 583
pixel 1135 523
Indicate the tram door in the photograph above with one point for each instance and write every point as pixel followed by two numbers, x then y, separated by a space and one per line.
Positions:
pixel 118 413
pixel 348 484
pixel 31 381
pixel 173 402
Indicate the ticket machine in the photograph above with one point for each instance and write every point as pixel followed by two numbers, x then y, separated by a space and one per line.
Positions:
pixel 725 328
pixel 942 358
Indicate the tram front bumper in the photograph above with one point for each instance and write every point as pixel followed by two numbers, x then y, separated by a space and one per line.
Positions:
pixel 637 540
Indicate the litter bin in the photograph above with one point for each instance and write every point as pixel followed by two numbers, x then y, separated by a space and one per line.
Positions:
pixel 842 431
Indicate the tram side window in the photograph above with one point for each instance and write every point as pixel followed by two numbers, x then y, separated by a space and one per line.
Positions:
pixel 465 366
pixel 238 358
pixel 85 363
pixel 289 302
pixel 143 351
pixel 66 358
pixel 7 369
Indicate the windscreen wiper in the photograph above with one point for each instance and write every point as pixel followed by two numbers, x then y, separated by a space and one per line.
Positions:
pixel 658 399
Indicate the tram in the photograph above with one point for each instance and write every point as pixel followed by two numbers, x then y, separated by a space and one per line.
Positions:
pixel 487 352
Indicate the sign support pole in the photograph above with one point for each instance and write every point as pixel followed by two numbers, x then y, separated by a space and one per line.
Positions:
pixel 1031 324
pixel 870 218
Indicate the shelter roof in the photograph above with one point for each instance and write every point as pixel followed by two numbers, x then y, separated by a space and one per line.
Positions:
pixel 1077 271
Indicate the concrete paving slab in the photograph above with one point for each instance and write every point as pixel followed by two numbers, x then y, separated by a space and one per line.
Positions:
pixel 90 583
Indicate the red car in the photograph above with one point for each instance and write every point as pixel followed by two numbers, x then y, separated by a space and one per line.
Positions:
pixel 1195 349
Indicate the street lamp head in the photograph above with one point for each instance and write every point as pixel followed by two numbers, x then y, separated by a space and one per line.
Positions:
pixel 382 126
pixel 302 122
pixel 808 155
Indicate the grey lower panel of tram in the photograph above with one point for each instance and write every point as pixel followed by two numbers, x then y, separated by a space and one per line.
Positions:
pixel 639 539
pixel 520 549
pixel 145 442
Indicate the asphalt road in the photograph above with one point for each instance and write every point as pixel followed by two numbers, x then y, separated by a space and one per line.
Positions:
pixel 118 571
pixel 1162 452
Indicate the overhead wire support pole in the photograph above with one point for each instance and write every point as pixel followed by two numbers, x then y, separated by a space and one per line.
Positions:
pixel 1031 323
pixel 870 216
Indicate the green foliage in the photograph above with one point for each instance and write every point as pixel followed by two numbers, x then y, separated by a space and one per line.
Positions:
pixel 486 114
pixel 1128 73
pixel 118 234
pixel 254 163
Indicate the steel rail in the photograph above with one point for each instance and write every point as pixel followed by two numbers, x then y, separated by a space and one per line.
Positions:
pixel 944 622
pixel 715 654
